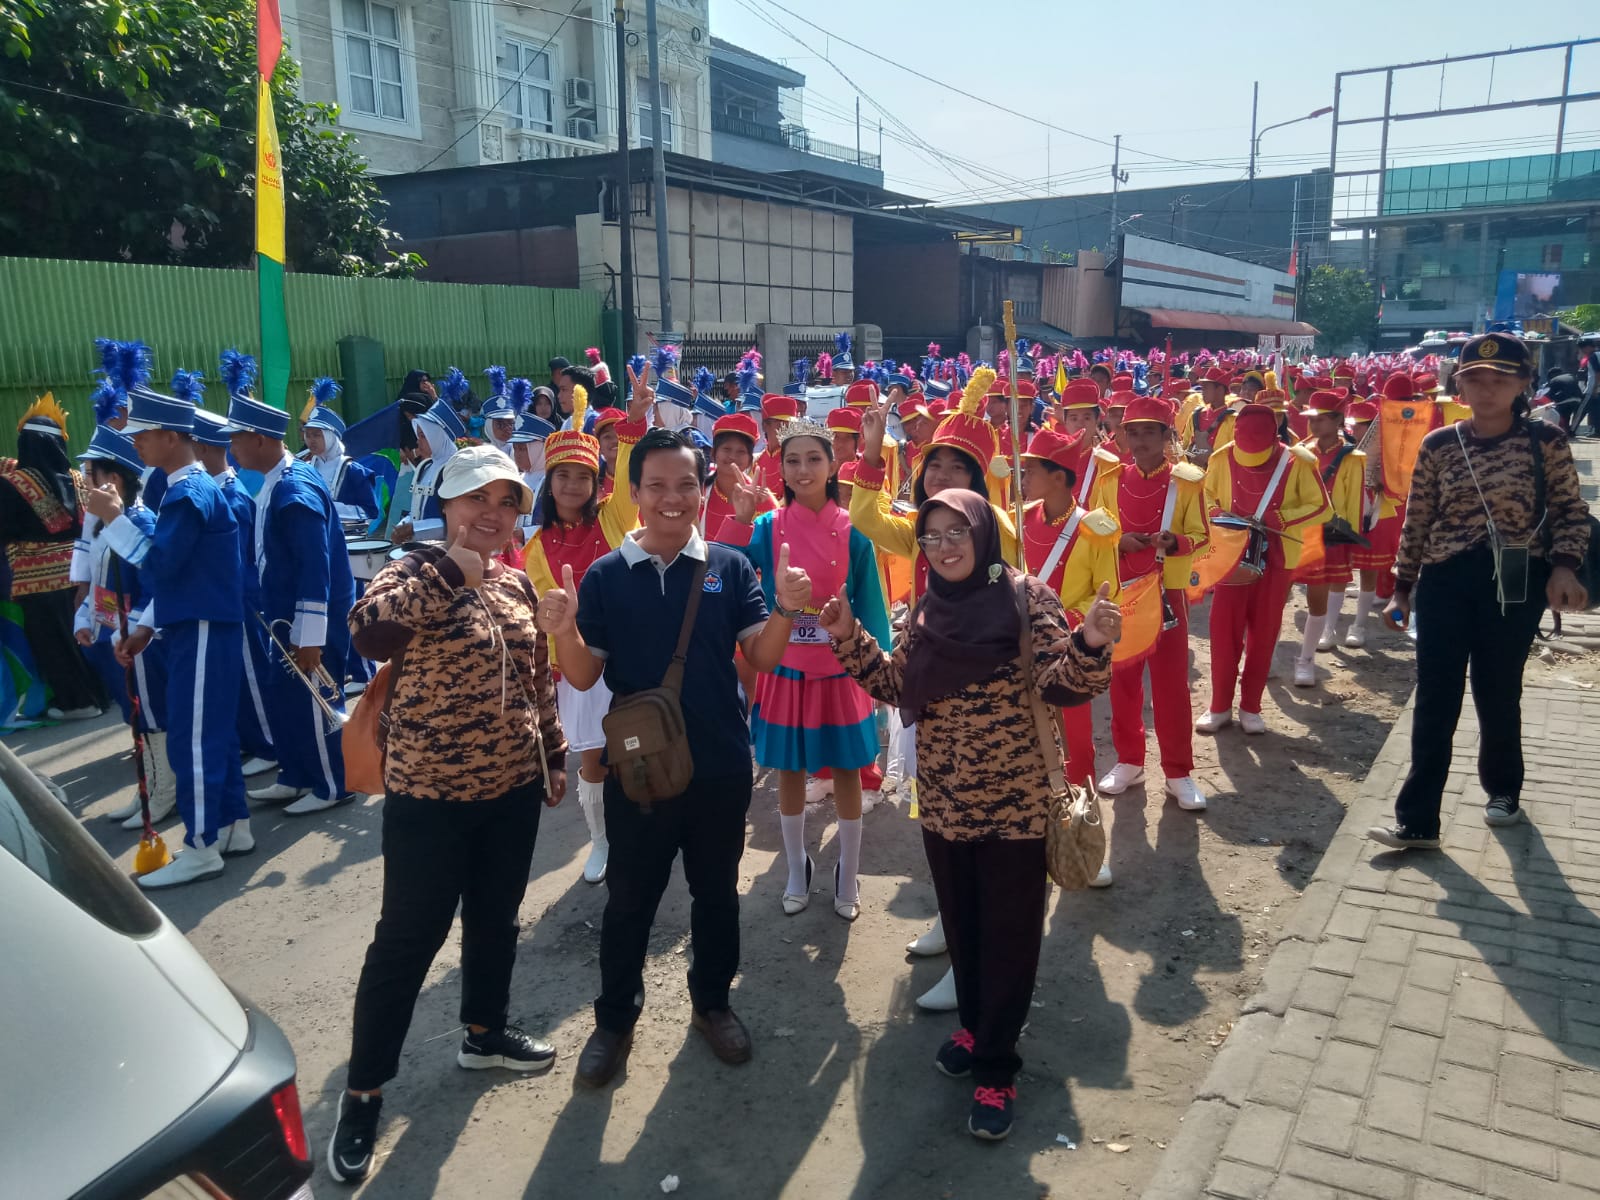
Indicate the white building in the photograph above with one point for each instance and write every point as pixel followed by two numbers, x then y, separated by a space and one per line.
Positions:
pixel 451 83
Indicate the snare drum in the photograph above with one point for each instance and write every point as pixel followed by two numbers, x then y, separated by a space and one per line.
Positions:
pixel 1253 562
pixel 367 557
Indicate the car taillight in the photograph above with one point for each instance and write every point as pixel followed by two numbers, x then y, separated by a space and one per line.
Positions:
pixel 286 1104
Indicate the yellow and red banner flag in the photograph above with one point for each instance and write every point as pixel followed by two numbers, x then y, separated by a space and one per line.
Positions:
pixel 270 213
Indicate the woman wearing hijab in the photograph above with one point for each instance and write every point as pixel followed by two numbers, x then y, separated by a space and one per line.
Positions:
pixel 437 431
pixel 984 788
pixel 40 518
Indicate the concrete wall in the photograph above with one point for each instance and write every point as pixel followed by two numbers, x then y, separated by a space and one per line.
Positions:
pixel 545 257
pixel 911 290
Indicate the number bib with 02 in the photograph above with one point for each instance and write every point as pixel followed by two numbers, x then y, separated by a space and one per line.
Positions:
pixel 806 630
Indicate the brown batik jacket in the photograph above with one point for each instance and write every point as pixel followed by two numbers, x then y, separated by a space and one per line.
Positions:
pixel 475 686
pixel 980 768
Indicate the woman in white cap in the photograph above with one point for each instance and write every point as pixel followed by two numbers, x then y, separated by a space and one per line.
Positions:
pixel 475 750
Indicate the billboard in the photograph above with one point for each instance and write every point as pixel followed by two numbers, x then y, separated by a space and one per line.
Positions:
pixel 1165 275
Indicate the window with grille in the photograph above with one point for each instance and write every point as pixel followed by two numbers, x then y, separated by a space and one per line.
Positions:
pixel 373 46
pixel 641 89
pixel 526 82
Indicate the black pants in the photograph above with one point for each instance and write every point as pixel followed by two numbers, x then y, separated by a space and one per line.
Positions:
pixel 47 625
pixel 437 853
pixel 992 897
pixel 1461 631
pixel 707 824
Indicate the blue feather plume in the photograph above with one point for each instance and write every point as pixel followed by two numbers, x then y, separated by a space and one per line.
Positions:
pixel 747 376
pixel 889 366
pixel 664 359
pixel 188 385
pixel 127 365
pixel 238 372
pixel 455 386
pixel 705 381
pixel 109 403
pixel 842 343
pixel 325 390
pixel 636 364
pixel 497 380
pixel 520 394
pixel 802 370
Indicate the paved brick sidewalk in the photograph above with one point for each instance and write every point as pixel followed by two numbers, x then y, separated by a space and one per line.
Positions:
pixel 1429 1025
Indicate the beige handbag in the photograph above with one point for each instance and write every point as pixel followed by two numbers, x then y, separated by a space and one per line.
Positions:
pixel 1075 837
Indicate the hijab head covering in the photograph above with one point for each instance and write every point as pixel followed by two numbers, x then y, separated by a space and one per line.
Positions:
pixel 42 450
pixel 966 629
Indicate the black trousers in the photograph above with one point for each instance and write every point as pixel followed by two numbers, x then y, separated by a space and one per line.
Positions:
pixel 992 897
pixel 706 823
pixel 437 853
pixel 47 626
pixel 1462 633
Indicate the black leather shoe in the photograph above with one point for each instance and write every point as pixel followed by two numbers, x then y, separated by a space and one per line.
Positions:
pixel 603 1056
pixel 725 1034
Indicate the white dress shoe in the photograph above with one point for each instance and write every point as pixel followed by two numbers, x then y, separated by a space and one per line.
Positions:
pixel 931 943
pixel 1103 879
pixel 310 803
pixel 258 766
pixel 236 839
pixel 1305 675
pixel 276 793
pixel 1120 778
pixel 796 902
pixel 1357 637
pixel 1214 721
pixel 160 809
pixel 1251 722
pixel 941 997
pixel 72 714
pixel 1187 793
pixel 193 865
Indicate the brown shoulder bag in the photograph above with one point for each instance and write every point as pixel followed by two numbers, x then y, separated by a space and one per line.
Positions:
pixel 647 744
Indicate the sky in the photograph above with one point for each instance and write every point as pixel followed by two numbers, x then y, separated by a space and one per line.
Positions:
pixel 1174 79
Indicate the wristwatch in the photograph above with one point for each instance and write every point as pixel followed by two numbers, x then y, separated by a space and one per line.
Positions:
pixel 779 610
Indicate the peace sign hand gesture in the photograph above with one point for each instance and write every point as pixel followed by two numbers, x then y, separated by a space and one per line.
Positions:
pixel 746 495
pixel 642 395
pixel 874 421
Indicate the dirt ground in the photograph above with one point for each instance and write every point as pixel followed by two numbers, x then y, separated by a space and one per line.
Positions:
pixel 1138 985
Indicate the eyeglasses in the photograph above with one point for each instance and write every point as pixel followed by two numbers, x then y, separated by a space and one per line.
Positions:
pixel 955 536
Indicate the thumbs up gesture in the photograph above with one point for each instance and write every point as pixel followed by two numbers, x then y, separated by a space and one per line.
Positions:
pixel 558 608
pixel 469 560
pixel 790 585
pixel 1102 625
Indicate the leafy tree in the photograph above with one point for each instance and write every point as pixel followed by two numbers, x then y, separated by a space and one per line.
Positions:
pixel 1585 317
pixel 127 133
pixel 1340 303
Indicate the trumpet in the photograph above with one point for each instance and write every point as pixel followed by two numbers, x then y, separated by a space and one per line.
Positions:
pixel 323 687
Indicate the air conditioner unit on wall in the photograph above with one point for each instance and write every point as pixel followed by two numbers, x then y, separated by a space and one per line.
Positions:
pixel 581 128
pixel 580 93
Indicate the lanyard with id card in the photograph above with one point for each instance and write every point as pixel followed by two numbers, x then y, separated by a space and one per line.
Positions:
pixel 1511 564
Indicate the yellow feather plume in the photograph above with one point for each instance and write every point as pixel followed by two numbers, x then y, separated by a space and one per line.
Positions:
pixel 1271 378
pixel 977 388
pixel 47 408
pixel 580 406
pixel 310 409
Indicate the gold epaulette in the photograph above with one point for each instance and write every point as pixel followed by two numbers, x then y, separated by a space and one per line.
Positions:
pixel 1100 526
pixel 1189 474
pixel 1305 454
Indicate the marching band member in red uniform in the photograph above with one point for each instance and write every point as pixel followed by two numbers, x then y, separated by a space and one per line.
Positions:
pixel 1256 476
pixel 1161 509
pixel 733 442
pixel 1341 468
pixel 776 411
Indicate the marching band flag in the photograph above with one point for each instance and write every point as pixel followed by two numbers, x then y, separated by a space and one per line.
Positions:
pixel 1140 602
pixel 269 213
pixel 1215 560
pixel 1402 424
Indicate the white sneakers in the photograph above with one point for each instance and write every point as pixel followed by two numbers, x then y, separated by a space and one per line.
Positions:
pixel 258 766
pixel 1357 637
pixel 1103 879
pixel 1187 793
pixel 276 793
pixel 72 714
pixel 1251 722
pixel 1120 778
pixel 1305 673
pixel 312 803
pixel 818 789
pixel 1214 721
pixel 941 997
pixel 236 839
pixel 193 865
pixel 1329 638
pixel 931 943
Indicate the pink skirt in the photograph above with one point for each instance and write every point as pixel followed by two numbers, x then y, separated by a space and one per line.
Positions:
pixel 808 724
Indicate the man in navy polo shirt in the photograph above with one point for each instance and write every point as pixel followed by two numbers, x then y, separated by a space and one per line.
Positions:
pixel 624 624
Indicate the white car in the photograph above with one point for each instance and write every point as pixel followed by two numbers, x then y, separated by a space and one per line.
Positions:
pixel 131 1072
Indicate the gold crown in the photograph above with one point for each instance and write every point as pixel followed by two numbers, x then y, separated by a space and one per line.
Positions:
pixel 45 408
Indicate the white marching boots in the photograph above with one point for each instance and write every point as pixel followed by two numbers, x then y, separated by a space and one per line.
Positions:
pixel 159 781
pixel 941 997
pixel 931 943
pixel 591 798
pixel 191 866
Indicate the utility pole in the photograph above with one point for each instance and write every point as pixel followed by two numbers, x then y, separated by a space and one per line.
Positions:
pixel 624 184
pixel 858 131
pixel 658 166
pixel 1118 177
pixel 1255 98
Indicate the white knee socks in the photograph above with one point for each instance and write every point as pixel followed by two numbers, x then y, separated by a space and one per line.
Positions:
pixel 794 851
pixel 1314 628
pixel 1365 602
pixel 849 857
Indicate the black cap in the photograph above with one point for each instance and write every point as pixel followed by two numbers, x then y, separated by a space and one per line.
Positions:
pixel 1501 352
pixel 558 364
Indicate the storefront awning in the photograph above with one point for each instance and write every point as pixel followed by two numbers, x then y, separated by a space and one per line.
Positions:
pixel 1173 318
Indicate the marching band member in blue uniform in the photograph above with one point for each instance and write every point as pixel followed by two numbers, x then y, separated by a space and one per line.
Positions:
pixel 354 487
pixel 190 562
pixel 306 594
pixel 211 439
pixel 500 414
pixel 117 593
pixel 437 431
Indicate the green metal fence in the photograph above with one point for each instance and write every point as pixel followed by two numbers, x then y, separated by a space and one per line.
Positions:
pixel 51 311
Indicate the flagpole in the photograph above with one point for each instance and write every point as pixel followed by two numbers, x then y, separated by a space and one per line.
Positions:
pixel 269 241
pixel 1016 434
